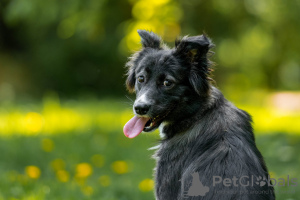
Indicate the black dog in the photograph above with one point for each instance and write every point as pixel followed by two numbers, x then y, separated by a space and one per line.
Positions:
pixel 208 149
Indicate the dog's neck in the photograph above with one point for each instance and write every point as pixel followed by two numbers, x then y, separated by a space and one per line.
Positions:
pixel 169 129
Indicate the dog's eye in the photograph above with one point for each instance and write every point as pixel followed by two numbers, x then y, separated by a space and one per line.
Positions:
pixel 168 83
pixel 141 79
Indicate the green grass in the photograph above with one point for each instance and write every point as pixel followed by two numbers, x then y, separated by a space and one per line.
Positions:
pixel 74 148
pixel 123 166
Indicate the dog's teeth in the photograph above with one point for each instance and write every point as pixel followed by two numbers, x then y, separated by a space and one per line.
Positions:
pixel 151 124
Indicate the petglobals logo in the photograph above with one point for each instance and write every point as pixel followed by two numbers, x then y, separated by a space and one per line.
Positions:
pixel 198 188
pixel 254 180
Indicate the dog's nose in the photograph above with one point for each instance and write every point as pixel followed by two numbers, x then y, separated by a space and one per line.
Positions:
pixel 141 109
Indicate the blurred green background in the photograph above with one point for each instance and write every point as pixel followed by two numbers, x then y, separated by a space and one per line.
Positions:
pixel 63 102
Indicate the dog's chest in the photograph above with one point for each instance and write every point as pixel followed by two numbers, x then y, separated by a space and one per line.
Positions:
pixel 169 168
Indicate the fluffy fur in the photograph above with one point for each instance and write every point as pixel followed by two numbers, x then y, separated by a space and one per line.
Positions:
pixel 201 131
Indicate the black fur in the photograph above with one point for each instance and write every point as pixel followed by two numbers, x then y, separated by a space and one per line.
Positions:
pixel 201 131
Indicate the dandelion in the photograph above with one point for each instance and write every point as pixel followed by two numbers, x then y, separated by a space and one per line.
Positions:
pixel 33 172
pixel 146 185
pixel 83 170
pixel 58 164
pixel 62 175
pixel 47 145
pixel 120 167
pixel 98 160
pixel 104 180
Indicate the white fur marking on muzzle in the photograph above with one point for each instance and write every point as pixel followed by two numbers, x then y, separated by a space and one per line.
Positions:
pixel 142 99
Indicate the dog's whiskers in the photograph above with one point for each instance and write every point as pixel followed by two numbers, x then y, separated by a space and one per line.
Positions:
pixel 129 98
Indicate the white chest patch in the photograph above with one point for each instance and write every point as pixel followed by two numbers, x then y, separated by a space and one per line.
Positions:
pixel 161 128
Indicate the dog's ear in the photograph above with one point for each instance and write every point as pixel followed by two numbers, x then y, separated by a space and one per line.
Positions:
pixel 130 81
pixel 149 39
pixel 193 49
pixel 193 52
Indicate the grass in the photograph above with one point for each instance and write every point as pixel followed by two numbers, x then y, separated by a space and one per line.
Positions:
pixel 76 150
pixel 88 165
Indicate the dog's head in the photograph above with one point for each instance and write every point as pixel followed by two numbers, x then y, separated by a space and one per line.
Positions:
pixel 168 83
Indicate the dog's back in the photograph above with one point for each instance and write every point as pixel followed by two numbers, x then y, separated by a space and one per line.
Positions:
pixel 219 144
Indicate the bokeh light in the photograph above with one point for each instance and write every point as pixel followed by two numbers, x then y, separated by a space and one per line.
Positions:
pixel 62 175
pixel 146 185
pixel 33 172
pixel 120 167
pixel 83 170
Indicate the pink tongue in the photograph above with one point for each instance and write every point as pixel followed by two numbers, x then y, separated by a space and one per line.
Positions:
pixel 134 126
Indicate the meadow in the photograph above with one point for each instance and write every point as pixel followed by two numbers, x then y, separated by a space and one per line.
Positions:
pixel 75 149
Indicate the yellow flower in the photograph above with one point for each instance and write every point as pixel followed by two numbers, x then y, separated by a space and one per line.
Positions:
pixel 62 175
pixel 146 185
pixel 98 160
pixel 58 164
pixel 104 180
pixel 47 145
pixel 83 170
pixel 33 172
pixel 120 167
